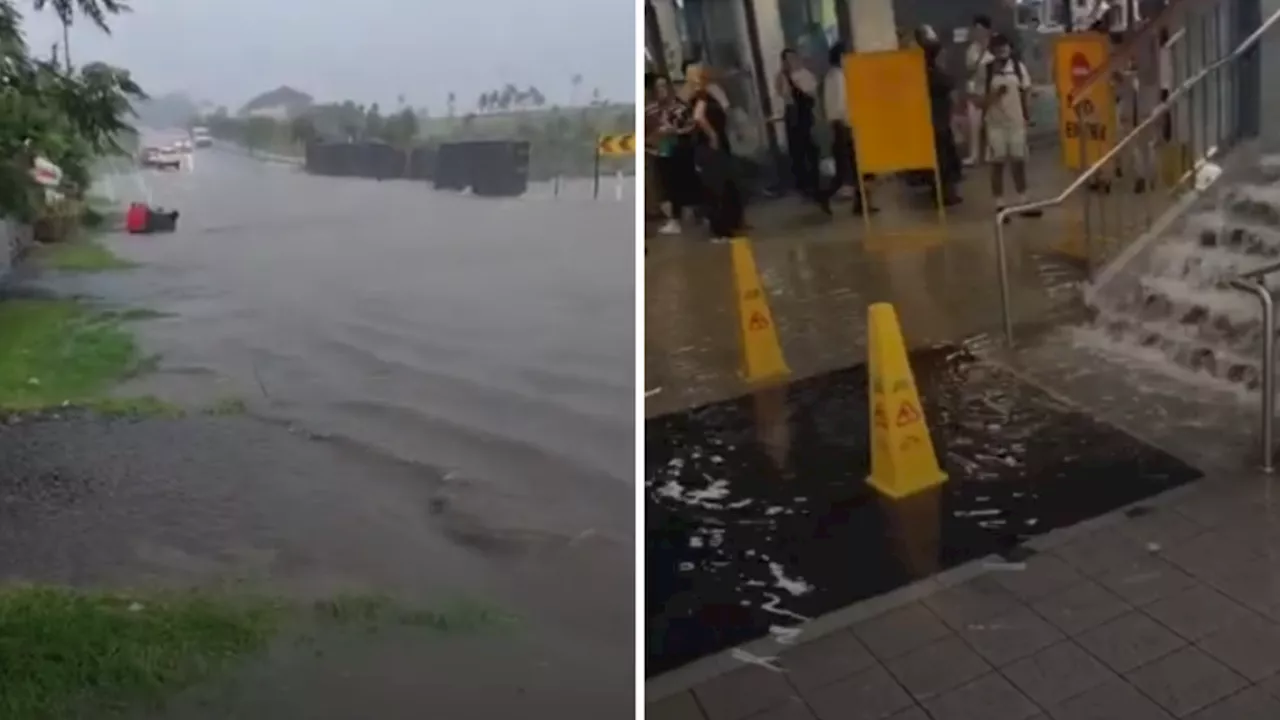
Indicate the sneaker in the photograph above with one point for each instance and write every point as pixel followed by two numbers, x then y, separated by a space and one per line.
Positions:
pixel 670 227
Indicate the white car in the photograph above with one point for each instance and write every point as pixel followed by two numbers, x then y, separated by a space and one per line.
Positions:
pixel 164 158
pixel 182 146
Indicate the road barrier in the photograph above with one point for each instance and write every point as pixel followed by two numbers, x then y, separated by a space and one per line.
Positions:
pixel 612 146
pixel 493 168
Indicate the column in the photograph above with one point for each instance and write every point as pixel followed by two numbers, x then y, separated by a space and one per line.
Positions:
pixel 874 28
pixel 666 15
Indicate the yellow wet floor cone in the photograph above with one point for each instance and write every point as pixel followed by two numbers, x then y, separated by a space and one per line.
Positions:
pixel 761 352
pixel 903 461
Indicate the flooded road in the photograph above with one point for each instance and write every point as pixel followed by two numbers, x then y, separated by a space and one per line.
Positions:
pixel 491 339
pixel 464 371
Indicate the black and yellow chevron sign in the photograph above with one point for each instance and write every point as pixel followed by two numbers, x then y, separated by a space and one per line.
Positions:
pixel 617 145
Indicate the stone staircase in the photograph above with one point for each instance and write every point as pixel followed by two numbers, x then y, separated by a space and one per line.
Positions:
pixel 1176 305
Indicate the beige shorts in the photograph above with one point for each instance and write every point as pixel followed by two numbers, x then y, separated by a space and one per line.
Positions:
pixel 1006 143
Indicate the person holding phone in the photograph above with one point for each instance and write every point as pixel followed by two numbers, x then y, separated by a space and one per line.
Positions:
pixel 1006 117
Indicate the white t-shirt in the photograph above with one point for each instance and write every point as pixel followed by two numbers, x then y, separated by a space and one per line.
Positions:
pixel 976 58
pixel 1006 108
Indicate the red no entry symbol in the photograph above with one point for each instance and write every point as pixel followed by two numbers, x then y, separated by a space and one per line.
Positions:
pixel 758 321
pixel 907 415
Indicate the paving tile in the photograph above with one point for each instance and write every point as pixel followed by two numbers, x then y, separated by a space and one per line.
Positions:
pixel 1130 640
pixel 913 713
pixel 792 709
pixel 1045 573
pixel 742 693
pixel 1216 506
pixel 1196 612
pixel 1145 580
pixel 900 631
pixel 1011 636
pixel 1250 646
pixel 1100 552
pixel 936 668
pixel 990 697
pixel 1207 556
pixel 871 694
pixel 974 601
pixel 1161 528
pixel 1186 681
pixel 1272 686
pixel 1245 705
pixel 825 660
pixel 1253 583
pixel 676 707
pixel 1057 673
pixel 1115 700
pixel 1081 607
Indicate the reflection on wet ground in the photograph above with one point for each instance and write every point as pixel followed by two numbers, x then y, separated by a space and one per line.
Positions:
pixel 758 517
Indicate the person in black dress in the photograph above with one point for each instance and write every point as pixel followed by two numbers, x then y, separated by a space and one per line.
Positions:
pixel 721 197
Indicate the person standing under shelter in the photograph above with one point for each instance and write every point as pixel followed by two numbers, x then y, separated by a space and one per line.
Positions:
pixel 1006 115
pixel 976 57
pixel 798 88
pixel 724 209
pixel 843 151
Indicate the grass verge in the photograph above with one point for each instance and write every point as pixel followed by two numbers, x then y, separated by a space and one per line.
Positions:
pixel 58 352
pixel 65 653
pixel 82 254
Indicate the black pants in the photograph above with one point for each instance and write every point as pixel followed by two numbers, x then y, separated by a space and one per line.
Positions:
pixel 722 201
pixel 678 178
pixel 804 157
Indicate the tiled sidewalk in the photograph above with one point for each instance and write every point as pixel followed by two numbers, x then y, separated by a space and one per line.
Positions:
pixel 1171 610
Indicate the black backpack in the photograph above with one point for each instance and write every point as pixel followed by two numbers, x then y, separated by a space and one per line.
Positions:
pixel 1018 68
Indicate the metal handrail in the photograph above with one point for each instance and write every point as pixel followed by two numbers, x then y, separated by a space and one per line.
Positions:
pixel 1250 282
pixel 1088 174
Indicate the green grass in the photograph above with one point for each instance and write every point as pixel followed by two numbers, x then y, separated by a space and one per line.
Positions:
pixel 57 352
pixel 63 652
pixel 229 405
pixel 79 255
pixel 66 653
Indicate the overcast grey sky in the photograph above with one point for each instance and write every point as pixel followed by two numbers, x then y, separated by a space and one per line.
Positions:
pixel 227 51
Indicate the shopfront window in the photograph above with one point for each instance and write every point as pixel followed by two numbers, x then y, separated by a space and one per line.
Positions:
pixel 811 27
pixel 717 36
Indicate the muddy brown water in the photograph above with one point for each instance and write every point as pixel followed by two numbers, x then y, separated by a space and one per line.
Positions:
pixel 441 402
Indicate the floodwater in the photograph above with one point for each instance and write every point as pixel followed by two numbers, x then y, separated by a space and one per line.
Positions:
pixel 490 338
pixel 468 368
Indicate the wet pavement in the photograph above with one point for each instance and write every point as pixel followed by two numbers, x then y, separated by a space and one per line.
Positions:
pixel 781 587
pixel 441 405
pixel 759 518
pixel 819 276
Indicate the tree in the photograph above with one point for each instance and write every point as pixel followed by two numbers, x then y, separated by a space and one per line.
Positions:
pixel 373 122
pixel 47 111
pixel 302 129
pixel 96 10
pixel 482 103
pixel 452 101
pixel 259 131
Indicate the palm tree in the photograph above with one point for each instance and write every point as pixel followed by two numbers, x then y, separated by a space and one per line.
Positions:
pixel 66 10
pixel 575 82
